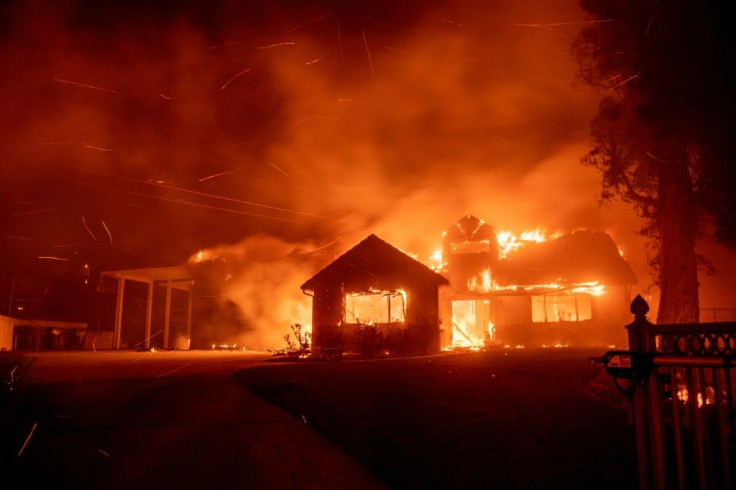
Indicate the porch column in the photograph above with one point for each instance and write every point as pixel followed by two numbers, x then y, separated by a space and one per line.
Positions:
pixel 149 311
pixel 119 313
pixel 189 320
pixel 167 314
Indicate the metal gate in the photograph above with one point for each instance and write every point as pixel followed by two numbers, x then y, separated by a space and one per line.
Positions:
pixel 681 382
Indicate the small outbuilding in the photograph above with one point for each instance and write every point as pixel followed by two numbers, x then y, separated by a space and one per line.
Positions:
pixel 375 297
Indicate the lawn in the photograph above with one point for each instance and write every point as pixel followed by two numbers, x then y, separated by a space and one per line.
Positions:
pixel 499 419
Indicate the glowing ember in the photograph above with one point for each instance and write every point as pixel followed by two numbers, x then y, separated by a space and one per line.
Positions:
pixel 682 395
pixel 201 256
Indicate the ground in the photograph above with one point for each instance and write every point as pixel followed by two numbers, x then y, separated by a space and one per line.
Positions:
pixel 500 419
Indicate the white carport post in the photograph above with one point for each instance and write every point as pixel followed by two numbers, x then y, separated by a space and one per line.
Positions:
pixel 149 310
pixel 189 320
pixel 167 314
pixel 119 312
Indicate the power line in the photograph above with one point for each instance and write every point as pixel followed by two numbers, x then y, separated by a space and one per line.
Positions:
pixel 180 201
pixel 204 194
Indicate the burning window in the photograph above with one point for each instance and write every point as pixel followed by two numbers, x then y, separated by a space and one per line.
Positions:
pixel 562 308
pixel 375 307
pixel 470 247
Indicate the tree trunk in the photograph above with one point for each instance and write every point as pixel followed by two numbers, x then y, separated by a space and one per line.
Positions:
pixel 678 278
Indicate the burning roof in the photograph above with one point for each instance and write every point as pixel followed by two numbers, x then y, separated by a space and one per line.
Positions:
pixel 373 263
pixel 574 258
pixel 470 229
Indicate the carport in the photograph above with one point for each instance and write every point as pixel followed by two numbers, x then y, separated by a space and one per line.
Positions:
pixel 171 279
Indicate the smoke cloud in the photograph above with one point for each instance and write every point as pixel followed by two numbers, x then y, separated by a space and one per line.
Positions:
pixel 282 126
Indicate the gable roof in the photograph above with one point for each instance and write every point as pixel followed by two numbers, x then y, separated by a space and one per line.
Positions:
pixel 376 263
pixel 574 258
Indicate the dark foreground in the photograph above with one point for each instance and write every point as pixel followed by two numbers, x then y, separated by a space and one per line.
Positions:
pixel 169 420
pixel 503 419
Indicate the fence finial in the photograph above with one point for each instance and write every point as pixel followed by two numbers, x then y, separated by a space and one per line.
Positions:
pixel 639 307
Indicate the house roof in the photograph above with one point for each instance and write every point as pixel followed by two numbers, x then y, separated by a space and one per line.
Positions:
pixel 376 263
pixel 469 228
pixel 574 258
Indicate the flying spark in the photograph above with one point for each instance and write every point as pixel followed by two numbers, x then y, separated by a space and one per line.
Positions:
pixel 49 257
pixel 98 148
pixel 277 168
pixel 368 51
pixel 86 86
pixel 20 238
pixel 320 248
pixel 453 22
pixel 339 37
pixel 28 439
pixel 37 211
pixel 173 370
pixel 309 22
pixel 224 44
pixel 313 61
pixel 88 230
pixel 167 97
pixel 149 338
pixel 203 179
pixel 67 245
pixel 275 45
pixel 197 193
pixel 109 235
pixel 310 118
pixel 654 157
pixel 557 24
pixel 233 78
pixel 624 82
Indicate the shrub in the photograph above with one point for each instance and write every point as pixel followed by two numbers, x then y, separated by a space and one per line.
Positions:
pixel 300 345
pixel 370 341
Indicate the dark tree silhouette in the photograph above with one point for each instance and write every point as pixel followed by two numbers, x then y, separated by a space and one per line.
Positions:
pixel 663 136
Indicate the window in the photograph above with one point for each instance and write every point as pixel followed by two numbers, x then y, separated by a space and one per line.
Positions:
pixel 562 308
pixel 375 307
pixel 469 247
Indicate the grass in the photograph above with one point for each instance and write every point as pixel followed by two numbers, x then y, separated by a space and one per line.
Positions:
pixel 498 419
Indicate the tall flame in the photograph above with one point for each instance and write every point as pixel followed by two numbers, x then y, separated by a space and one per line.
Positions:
pixel 509 243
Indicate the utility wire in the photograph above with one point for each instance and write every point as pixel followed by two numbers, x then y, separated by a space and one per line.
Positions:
pixel 203 194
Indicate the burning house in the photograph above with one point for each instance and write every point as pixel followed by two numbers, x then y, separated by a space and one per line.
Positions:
pixel 375 296
pixel 573 289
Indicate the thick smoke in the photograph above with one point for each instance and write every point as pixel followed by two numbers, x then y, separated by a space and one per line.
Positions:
pixel 288 125
pixel 254 291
